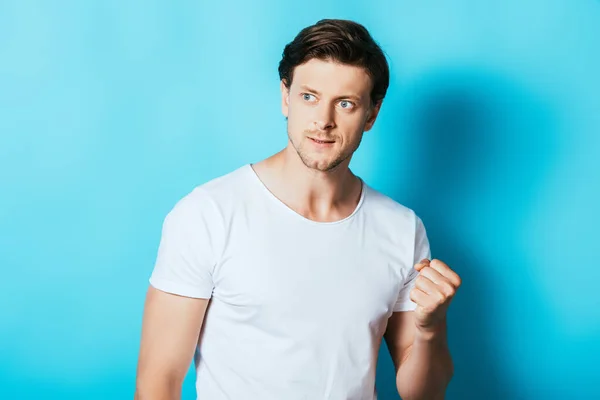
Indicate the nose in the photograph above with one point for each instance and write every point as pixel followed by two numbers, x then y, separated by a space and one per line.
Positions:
pixel 324 118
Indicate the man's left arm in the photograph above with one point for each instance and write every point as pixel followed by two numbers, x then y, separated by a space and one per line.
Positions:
pixel 417 339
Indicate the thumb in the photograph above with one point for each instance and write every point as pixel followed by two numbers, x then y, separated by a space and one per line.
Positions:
pixel 422 264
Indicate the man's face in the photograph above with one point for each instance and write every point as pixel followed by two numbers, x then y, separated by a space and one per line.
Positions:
pixel 328 107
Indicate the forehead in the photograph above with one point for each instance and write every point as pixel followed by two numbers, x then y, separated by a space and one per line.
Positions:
pixel 332 78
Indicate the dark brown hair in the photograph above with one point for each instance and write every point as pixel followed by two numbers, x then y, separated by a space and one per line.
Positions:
pixel 342 41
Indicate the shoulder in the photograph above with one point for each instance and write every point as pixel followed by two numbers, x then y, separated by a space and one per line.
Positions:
pixel 384 208
pixel 397 226
pixel 209 200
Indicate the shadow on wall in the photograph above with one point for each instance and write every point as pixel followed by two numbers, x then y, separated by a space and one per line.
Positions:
pixel 480 146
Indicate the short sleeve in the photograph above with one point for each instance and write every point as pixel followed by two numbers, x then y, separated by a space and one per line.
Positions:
pixel 186 254
pixel 421 251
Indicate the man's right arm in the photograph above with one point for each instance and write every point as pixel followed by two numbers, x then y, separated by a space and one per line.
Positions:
pixel 170 331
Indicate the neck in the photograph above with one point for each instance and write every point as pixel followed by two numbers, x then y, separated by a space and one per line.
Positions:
pixel 318 195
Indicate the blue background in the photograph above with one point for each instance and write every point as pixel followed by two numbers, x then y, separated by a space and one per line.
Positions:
pixel 112 111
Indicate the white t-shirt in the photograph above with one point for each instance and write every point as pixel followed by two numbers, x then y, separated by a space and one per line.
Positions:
pixel 298 307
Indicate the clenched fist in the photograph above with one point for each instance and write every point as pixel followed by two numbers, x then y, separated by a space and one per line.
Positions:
pixel 434 289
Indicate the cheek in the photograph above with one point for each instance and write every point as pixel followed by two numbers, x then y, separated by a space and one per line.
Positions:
pixel 295 115
pixel 354 127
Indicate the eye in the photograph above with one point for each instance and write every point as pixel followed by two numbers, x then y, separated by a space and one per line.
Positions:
pixel 346 105
pixel 307 96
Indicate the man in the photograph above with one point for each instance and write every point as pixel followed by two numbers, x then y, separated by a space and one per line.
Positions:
pixel 282 277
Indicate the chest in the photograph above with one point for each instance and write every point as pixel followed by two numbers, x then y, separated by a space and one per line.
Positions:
pixel 282 281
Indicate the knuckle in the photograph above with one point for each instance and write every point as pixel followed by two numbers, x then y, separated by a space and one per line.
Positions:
pixel 441 299
pixel 413 295
pixel 447 289
pixel 458 281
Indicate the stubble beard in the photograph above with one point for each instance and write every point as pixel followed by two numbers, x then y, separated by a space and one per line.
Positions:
pixel 322 165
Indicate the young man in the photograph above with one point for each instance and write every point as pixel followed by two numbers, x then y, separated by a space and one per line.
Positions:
pixel 282 277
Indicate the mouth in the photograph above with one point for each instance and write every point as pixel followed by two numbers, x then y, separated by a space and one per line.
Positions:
pixel 322 142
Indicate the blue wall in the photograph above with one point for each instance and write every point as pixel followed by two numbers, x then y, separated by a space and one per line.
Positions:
pixel 111 112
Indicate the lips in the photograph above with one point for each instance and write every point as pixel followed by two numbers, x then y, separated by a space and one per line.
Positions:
pixel 324 141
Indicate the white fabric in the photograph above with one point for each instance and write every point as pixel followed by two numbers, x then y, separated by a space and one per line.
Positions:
pixel 298 308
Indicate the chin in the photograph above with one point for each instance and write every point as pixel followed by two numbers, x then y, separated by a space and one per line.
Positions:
pixel 324 164
pixel 321 161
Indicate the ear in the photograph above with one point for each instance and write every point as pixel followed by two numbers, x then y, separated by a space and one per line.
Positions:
pixel 285 99
pixel 372 115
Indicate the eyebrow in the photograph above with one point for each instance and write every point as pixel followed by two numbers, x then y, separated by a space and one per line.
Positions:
pixel 348 96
